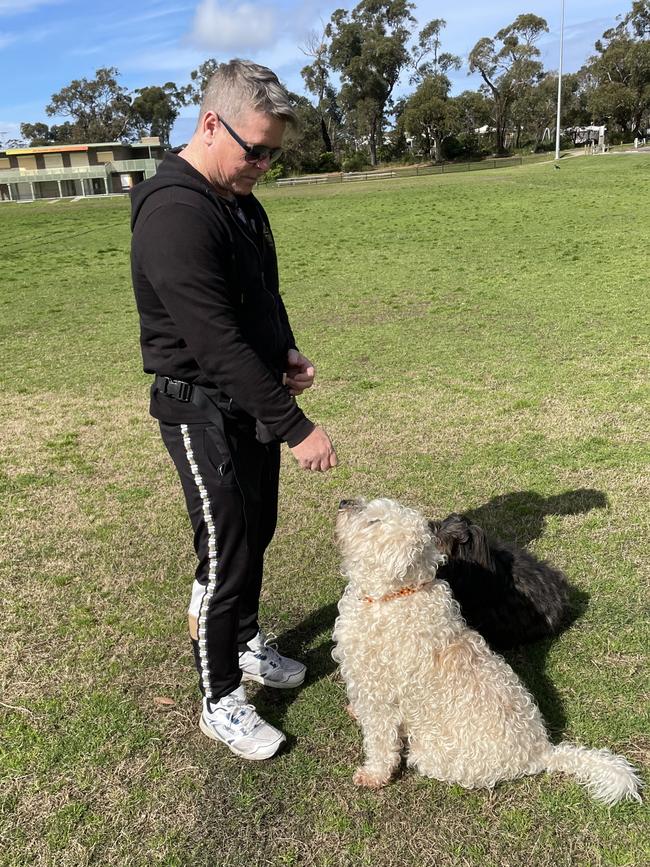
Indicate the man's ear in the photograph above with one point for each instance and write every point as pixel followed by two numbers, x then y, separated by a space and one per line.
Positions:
pixel 209 126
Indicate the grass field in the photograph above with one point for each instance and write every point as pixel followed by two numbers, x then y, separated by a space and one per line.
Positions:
pixel 482 346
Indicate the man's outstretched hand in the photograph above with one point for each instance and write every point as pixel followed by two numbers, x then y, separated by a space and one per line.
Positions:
pixel 316 452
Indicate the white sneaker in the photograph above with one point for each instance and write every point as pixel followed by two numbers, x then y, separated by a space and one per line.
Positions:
pixel 264 664
pixel 238 725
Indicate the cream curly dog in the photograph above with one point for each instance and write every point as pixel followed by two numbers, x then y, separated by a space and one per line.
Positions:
pixel 415 673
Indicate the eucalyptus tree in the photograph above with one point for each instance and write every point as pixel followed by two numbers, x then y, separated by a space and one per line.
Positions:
pixel 199 78
pixel 317 78
pixel 618 75
pixel 368 48
pixel 507 63
pixel 99 108
pixel 427 58
pixel 429 114
pixel 156 108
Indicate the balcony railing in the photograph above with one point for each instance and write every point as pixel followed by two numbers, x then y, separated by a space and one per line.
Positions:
pixel 62 173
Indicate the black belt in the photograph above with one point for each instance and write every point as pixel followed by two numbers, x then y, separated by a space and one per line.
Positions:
pixel 212 407
pixel 188 392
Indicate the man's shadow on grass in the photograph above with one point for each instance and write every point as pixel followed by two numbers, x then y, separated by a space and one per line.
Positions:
pixel 518 517
pixel 318 660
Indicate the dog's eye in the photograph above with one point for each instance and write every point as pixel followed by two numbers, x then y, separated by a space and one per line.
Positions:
pixel 375 521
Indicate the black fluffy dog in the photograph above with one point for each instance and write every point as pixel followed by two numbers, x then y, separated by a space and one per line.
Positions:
pixel 504 592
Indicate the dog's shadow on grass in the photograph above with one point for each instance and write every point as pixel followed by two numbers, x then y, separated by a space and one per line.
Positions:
pixel 529 662
pixel 519 516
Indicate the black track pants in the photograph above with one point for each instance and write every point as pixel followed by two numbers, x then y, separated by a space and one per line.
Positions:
pixel 230 482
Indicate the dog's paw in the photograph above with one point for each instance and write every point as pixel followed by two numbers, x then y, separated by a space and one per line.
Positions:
pixel 363 777
pixel 351 713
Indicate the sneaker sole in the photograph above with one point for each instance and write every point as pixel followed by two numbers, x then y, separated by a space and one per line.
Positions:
pixel 258 678
pixel 208 732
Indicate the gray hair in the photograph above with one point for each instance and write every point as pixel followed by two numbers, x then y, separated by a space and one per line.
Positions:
pixel 241 84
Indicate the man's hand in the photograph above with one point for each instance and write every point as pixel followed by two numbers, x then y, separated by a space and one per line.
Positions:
pixel 300 373
pixel 316 452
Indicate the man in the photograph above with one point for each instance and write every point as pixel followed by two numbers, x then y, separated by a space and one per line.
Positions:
pixel 215 333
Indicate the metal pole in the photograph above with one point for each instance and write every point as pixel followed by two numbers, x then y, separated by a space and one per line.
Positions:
pixel 559 89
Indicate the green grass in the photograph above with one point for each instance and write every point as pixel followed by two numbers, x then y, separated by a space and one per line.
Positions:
pixel 481 343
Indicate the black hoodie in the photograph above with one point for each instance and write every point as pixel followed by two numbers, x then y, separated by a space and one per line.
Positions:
pixel 206 284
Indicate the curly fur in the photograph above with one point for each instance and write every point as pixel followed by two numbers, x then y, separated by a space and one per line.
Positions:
pixel 504 592
pixel 416 674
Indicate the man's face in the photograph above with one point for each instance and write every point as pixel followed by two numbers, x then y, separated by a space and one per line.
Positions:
pixel 228 166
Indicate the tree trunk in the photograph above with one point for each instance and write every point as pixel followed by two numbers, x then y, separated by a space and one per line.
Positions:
pixel 327 141
pixel 501 135
pixel 437 147
pixel 373 142
pixel 428 144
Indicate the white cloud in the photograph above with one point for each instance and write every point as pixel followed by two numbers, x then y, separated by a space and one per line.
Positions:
pixel 218 27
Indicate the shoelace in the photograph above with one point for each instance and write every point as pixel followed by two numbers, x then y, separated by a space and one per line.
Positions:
pixel 270 644
pixel 242 715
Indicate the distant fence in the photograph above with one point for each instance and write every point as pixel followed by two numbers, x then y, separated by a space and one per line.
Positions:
pixel 409 171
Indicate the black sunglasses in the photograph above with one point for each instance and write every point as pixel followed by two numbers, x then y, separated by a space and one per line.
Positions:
pixel 254 153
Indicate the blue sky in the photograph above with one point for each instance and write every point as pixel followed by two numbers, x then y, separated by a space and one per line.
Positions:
pixel 44 44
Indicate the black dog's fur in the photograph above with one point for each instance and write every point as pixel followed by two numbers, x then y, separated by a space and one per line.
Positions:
pixel 504 592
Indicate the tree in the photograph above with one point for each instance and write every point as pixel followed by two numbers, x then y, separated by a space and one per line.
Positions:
pixel 39 134
pixel 155 109
pixel 618 76
pixel 639 18
pixel 303 144
pixel 36 134
pixel 430 115
pixel 508 67
pixel 426 57
pixel 100 108
pixel 368 47
pixel 317 81
pixel 200 78
pixel 534 109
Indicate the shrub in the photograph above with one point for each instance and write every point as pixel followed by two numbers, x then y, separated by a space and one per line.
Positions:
pixel 356 162
pixel 275 171
pixel 327 162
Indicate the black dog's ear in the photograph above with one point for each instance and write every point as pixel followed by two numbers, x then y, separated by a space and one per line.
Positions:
pixel 451 532
pixel 478 548
pixel 463 540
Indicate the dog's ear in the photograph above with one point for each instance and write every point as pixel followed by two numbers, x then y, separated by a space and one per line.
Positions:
pixel 463 540
pixel 477 548
pixel 452 532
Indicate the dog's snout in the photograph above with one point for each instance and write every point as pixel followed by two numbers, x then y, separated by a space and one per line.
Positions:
pixel 348 504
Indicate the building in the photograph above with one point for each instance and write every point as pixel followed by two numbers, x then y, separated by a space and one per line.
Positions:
pixel 60 171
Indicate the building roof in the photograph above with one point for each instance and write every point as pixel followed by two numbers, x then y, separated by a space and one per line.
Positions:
pixel 151 141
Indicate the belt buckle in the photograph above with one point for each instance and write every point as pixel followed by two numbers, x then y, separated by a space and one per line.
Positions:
pixel 185 391
pixel 178 389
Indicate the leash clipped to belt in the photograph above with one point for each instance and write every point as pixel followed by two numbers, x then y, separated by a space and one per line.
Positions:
pixel 212 408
